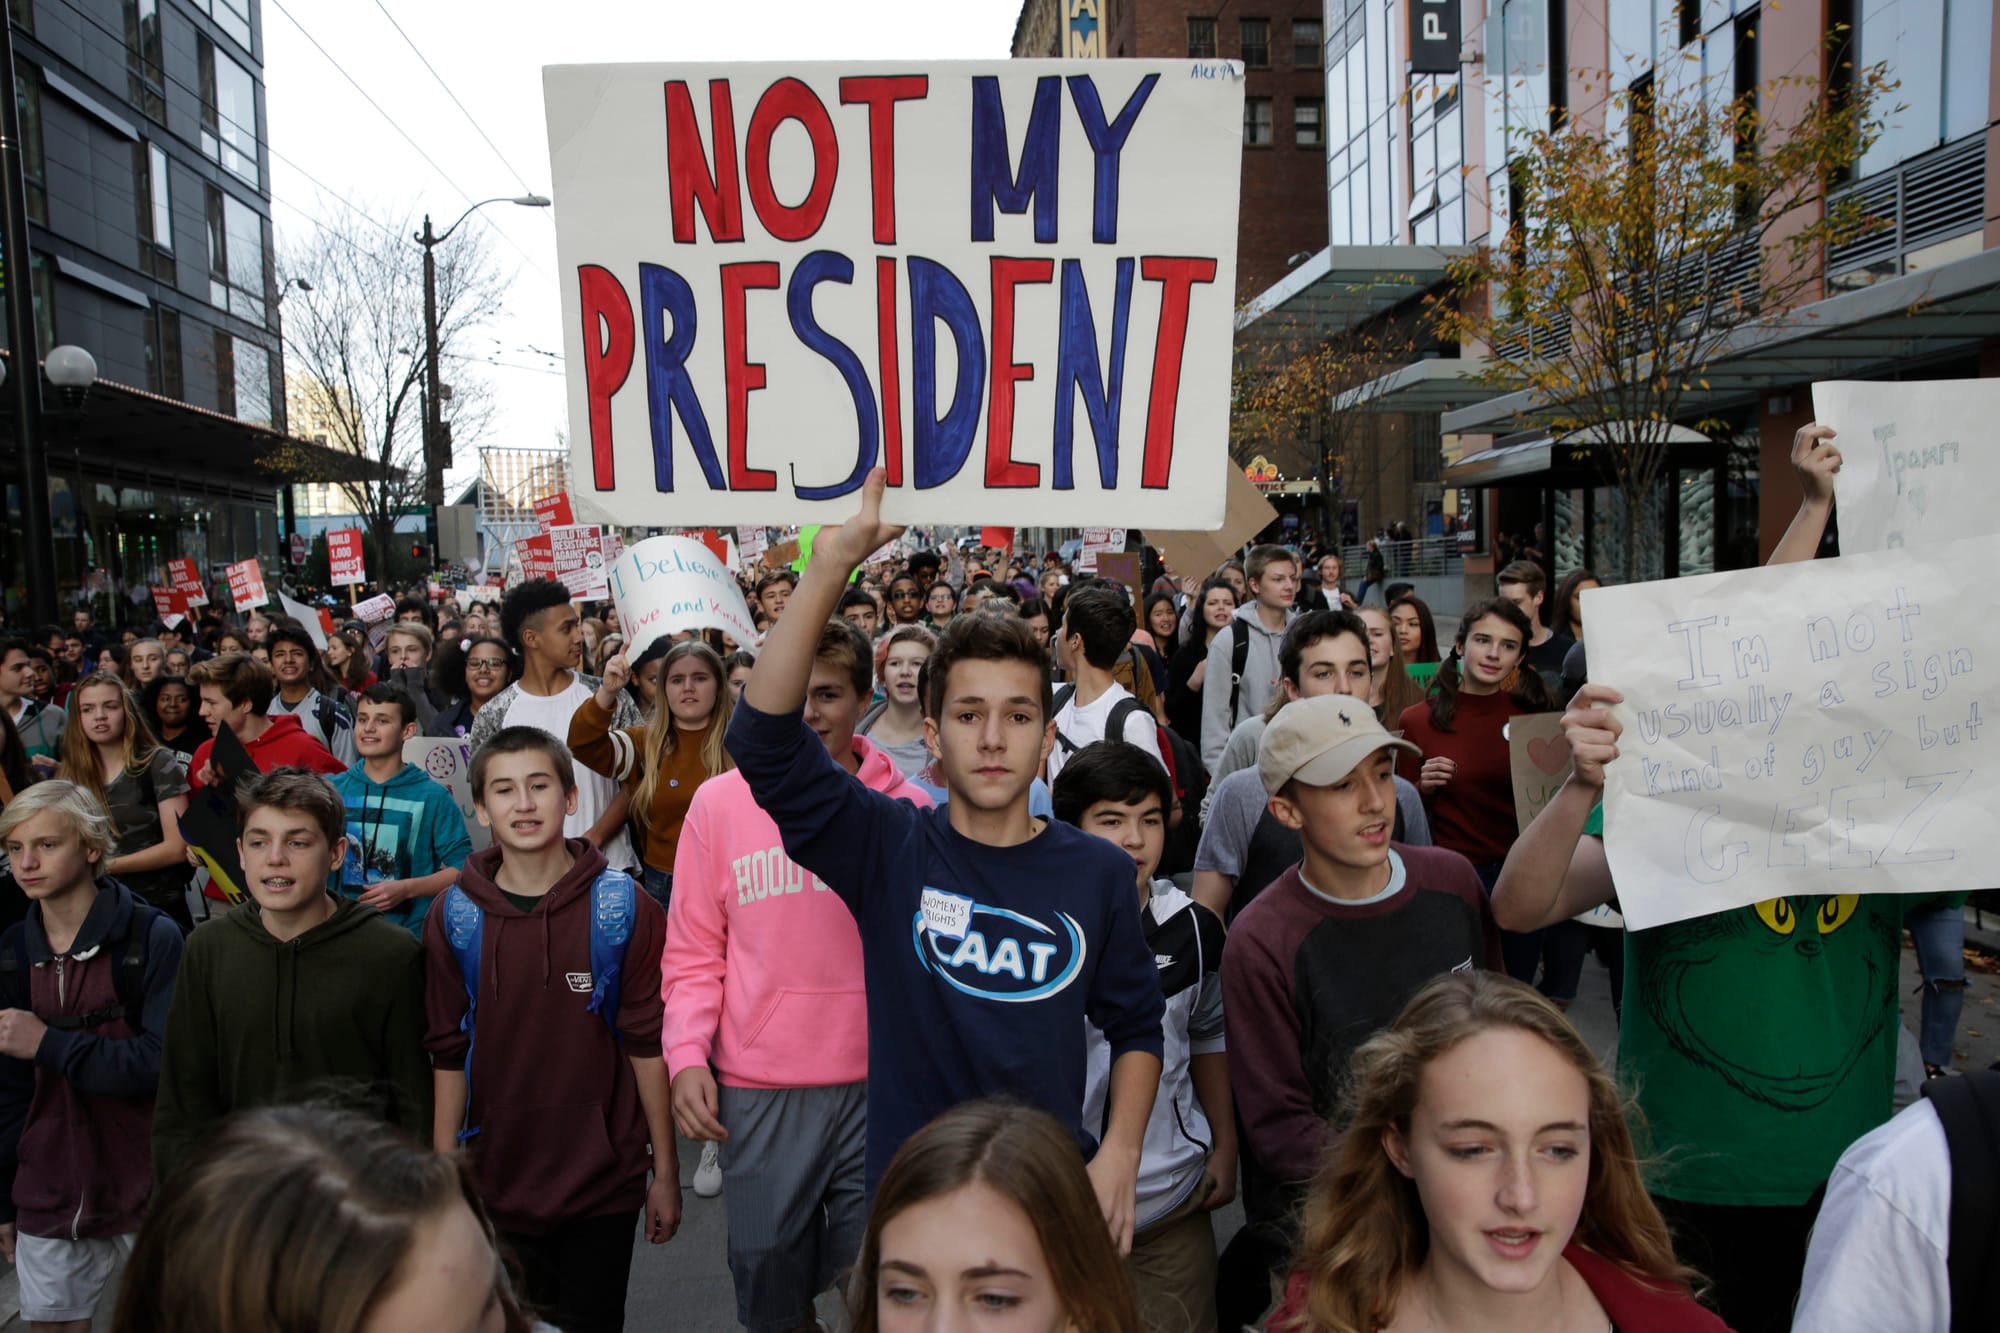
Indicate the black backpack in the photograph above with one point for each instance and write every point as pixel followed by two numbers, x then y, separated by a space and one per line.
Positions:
pixel 1239 658
pixel 128 975
pixel 1189 778
pixel 1969 1109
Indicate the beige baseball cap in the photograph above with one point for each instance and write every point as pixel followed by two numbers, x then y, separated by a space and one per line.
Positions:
pixel 1320 741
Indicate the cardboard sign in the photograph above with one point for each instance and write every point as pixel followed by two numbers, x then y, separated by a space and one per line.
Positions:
pixel 448 760
pixel 554 511
pixel 1917 462
pixel 1199 554
pixel 1815 728
pixel 185 576
pixel 668 584
pixel 308 619
pixel 1009 283
pixel 1121 567
pixel 1541 762
pixel 346 566
pixel 246 585
pixel 577 551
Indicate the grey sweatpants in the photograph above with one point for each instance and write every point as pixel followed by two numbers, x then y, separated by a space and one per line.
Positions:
pixel 792 1179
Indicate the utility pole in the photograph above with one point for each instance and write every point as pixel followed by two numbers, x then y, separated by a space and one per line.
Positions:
pixel 24 379
pixel 433 409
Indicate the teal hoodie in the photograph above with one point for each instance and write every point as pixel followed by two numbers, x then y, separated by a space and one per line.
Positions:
pixel 405 828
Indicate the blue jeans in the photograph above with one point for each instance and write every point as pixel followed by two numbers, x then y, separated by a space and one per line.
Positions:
pixel 1939 933
pixel 659 883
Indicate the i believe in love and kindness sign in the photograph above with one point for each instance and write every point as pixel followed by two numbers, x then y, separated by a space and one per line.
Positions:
pixel 1009 284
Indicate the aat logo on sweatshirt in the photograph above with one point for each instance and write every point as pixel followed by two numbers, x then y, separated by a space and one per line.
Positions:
pixel 993 952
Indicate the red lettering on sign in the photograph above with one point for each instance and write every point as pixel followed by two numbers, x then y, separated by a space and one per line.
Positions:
pixel 607 359
pixel 740 375
pixel 1177 277
pixel 789 99
pixel 881 93
pixel 1001 468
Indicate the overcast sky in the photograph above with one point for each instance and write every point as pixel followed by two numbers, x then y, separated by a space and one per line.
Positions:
pixel 329 144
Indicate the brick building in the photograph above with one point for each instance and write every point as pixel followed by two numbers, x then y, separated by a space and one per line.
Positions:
pixel 1281 43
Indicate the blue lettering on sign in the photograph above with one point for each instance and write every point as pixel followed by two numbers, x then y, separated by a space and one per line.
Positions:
pixel 1004 955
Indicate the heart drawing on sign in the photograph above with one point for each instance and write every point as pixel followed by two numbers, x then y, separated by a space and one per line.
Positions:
pixel 1548 754
pixel 1919 498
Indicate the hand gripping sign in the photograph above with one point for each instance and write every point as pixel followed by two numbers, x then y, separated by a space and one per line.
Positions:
pixel 1010 284
pixel 1812 728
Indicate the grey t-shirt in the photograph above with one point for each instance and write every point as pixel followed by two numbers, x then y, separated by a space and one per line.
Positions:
pixel 135 816
pixel 1242 839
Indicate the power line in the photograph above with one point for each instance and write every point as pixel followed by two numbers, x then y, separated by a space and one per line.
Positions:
pixel 469 119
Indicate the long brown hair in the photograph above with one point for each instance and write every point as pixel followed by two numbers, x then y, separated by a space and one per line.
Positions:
pixel 292 1218
pixel 1365 1233
pixel 663 734
pixel 1525 686
pixel 1398 690
pixel 77 758
pixel 1023 1155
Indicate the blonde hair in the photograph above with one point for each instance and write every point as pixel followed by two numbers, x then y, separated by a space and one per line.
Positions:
pixel 77 757
pixel 663 735
pixel 78 808
pixel 1365 1233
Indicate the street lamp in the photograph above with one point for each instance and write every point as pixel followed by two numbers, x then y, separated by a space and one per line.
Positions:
pixel 436 450
pixel 72 370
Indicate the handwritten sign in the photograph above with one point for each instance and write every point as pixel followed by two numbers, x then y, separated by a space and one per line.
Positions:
pixel 1814 728
pixel 1917 464
pixel 1009 283
pixel 668 584
pixel 246 585
pixel 448 760
pixel 577 551
pixel 1541 763
pixel 346 565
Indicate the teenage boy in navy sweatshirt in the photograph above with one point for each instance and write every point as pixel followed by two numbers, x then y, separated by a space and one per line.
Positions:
pixel 987 936
pixel 557 1110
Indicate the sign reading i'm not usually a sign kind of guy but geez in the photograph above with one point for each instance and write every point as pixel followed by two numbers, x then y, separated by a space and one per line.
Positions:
pixel 1009 284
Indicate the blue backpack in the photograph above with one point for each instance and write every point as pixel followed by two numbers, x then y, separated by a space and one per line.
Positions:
pixel 613 908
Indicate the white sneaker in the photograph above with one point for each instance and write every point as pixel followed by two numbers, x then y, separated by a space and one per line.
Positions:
pixel 708 1173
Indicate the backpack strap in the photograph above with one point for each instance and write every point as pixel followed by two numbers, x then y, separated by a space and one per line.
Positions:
pixel 1121 713
pixel 1969 1109
pixel 465 932
pixel 1064 694
pixel 128 976
pixel 613 910
pixel 1239 661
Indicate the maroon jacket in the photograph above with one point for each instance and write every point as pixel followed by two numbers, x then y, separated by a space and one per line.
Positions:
pixel 1634 1304
pixel 561 1132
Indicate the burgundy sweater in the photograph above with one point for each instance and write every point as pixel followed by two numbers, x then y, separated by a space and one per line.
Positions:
pixel 1473 814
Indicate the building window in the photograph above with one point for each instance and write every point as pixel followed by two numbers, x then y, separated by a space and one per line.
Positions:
pixel 1201 39
pixel 1308 43
pixel 236 278
pixel 1257 122
pixel 1308 117
pixel 253 383
pixel 23 14
pixel 156 213
pixel 232 16
pixel 228 112
pixel 28 99
pixel 142 57
pixel 163 352
pixel 1256 34
pixel 42 274
pixel 225 373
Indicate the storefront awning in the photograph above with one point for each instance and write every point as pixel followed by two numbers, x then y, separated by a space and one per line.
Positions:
pixel 1926 316
pixel 1580 458
pixel 1435 384
pixel 1338 289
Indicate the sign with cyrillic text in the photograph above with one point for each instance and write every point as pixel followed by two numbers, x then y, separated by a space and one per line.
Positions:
pixel 1814 728
pixel 1918 462
pixel 1010 284
pixel 665 585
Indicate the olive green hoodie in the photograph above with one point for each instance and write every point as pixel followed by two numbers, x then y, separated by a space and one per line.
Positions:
pixel 336 1015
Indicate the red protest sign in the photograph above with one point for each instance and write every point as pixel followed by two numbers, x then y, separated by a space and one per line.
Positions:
pixel 246 585
pixel 168 606
pixel 185 576
pixel 579 561
pixel 537 561
pixel 553 511
pixel 997 539
pixel 344 559
pixel 299 546
pixel 714 541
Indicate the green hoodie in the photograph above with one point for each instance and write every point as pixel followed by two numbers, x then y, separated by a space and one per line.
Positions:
pixel 336 1015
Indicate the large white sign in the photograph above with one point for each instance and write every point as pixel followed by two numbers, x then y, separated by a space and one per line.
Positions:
pixel 1815 728
pixel 1011 284
pixel 1918 460
pixel 668 584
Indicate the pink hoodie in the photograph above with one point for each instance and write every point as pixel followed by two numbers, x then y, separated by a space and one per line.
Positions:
pixel 762 971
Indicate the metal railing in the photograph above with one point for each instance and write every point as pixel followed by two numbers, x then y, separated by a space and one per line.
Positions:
pixel 1418 558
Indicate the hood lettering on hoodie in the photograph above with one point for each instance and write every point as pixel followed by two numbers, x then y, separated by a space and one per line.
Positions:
pixel 771 874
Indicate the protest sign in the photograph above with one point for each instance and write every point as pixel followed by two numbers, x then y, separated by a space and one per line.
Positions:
pixel 1122 567
pixel 537 558
pixel 750 542
pixel 577 553
pixel 997 539
pixel 185 576
pixel 668 584
pixel 346 567
pixel 554 511
pixel 168 608
pixel 308 619
pixel 1916 460
pixel 1097 541
pixel 377 610
pixel 1010 284
pixel 1199 554
pixel 1808 728
pixel 246 585
pixel 1541 764
pixel 209 824
pixel 488 593
pixel 299 546
pixel 448 760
